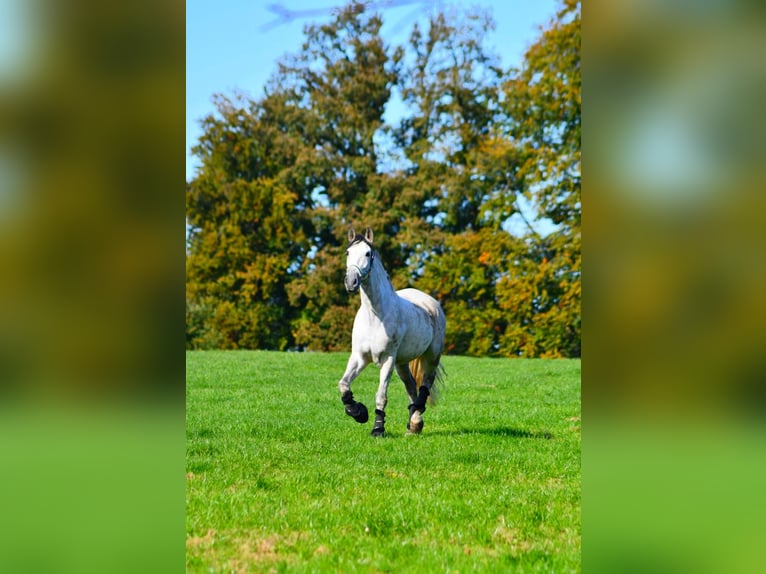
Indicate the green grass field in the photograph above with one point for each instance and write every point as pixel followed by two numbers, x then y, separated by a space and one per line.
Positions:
pixel 279 479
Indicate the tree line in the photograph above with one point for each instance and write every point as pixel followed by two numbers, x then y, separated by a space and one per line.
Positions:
pixel 283 177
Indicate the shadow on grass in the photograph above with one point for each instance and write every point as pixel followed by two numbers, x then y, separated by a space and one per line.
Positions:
pixel 501 431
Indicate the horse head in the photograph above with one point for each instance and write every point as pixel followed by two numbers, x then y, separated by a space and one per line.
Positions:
pixel 359 259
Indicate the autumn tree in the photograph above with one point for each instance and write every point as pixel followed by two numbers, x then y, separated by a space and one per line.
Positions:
pixel 543 106
pixel 450 85
pixel 518 295
pixel 245 226
pixel 343 78
pixel 282 179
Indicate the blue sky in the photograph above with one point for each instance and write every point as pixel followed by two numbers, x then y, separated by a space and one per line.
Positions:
pixel 231 46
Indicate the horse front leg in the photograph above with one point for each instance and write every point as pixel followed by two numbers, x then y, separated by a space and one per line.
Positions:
pixel 381 397
pixel 354 409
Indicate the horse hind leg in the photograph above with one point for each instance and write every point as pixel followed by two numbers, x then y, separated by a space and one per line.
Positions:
pixel 417 408
pixel 410 384
pixel 425 372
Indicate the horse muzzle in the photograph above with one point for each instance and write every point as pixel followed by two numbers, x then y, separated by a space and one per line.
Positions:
pixel 353 280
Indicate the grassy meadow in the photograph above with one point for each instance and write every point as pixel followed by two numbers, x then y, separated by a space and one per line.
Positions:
pixel 279 479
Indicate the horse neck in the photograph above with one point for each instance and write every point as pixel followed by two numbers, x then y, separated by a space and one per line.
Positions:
pixel 378 293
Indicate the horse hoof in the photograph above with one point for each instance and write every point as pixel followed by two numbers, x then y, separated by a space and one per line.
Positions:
pixel 377 432
pixel 358 412
pixel 415 425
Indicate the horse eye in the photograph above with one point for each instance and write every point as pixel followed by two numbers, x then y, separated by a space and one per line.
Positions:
pixel 367 254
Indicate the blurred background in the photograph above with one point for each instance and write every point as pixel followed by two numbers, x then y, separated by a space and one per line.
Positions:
pixel 91 284
pixel 91 258
pixel 674 369
pixel 676 186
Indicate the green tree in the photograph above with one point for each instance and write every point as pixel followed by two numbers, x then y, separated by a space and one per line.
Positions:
pixel 451 88
pixel 537 144
pixel 463 279
pixel 543 103
pixel 518 296
pixel 343 77
pixel 244 229
pixel 283 178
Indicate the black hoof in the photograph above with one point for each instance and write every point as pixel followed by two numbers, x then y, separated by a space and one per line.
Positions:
pixel 380 421
pixel 358 411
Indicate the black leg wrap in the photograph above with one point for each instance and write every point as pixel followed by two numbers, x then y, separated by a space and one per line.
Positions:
pixel 354 409
pixel 380 420
pixel 420 402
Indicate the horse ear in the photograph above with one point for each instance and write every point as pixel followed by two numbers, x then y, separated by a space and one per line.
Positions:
pixel 368 235
pixel 351 235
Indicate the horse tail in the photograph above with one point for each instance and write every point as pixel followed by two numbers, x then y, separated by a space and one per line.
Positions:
pixel 417 368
